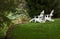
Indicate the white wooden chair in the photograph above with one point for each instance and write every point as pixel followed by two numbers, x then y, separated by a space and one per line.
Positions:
pixel 39 19
pixel 49 16
pixel 42 19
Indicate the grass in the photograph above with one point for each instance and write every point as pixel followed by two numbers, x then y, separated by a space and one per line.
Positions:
pixel 48 30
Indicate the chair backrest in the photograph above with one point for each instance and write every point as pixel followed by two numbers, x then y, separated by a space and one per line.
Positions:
pixel 41 14
pixel 51 14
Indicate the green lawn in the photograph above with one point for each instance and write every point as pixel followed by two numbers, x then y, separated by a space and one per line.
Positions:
pixel 48 30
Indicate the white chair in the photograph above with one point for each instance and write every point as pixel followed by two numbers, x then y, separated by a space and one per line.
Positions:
pixel 49 16
pixel 39 19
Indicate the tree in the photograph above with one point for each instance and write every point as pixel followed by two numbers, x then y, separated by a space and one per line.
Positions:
pixel 36 6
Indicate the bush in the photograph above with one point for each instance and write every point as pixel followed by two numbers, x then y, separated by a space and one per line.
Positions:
pixel 3 30
pixel 21 19
pixel 4 24
pixel 49 30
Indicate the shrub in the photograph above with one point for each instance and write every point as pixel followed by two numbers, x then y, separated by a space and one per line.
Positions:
pixel 21 19
pixel 3 30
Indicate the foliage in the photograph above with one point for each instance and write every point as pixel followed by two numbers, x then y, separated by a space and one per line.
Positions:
pixel 4 26
pixel 36 6
pixel 21 13
pixel 3 30
pixel 18 16
pixel 5 7
pixel 21 19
